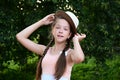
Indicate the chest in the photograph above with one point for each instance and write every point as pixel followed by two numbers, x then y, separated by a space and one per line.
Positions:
pixel 49 60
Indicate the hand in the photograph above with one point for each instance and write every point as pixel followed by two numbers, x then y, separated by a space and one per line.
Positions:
pixel 48 19
pixel 79 37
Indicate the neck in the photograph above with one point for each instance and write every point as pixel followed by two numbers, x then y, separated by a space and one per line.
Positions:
pixel 59 47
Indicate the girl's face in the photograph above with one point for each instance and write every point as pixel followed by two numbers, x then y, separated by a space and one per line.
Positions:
pixel 61 30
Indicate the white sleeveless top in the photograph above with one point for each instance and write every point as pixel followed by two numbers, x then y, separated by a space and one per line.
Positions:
pixel 50 77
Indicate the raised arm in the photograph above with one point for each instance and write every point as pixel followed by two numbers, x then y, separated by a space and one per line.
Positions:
pixel 77 54
pixel 22 36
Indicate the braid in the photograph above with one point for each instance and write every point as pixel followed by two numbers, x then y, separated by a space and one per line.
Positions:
pixel 59 71
pixel 39 68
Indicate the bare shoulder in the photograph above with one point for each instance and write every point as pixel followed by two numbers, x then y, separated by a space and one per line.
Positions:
pixel 69 51
pixel 40 49
pixel 68 55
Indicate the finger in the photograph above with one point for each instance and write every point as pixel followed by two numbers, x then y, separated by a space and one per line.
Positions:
pixel 52 15
pixel 51 18
pixel 84 35
pixel 78 34
pixel 81 34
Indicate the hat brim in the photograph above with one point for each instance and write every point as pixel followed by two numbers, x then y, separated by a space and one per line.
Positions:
pixel 65 16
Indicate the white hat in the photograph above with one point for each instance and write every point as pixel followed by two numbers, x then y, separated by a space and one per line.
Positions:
pixel 74 18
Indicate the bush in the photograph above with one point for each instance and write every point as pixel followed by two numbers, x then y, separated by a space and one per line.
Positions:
pixel 91 70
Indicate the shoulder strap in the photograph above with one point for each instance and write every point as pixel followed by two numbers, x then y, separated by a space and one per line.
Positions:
pixel 45 52
pixel 66 52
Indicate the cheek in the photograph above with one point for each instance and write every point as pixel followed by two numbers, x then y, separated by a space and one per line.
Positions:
pixel 68 34
pixel 54 32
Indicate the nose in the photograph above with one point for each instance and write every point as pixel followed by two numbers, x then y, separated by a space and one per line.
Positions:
pixel 60 31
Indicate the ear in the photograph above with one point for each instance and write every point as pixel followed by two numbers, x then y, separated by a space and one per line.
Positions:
pixel 69 35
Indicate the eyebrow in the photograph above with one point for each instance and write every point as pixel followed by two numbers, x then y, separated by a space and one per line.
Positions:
pixel 64 26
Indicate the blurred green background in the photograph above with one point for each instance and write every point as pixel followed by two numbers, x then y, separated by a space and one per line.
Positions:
pixel 99 20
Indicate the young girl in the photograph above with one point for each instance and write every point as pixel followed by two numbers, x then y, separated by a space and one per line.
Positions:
pixel 57 60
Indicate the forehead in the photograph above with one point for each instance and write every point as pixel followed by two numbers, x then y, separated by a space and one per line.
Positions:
pixel 62 22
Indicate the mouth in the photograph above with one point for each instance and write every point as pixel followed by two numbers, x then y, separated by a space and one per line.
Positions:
pixel 60 36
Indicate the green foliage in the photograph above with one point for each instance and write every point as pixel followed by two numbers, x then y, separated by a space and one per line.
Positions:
pixel 90 69
pixel 113 71
pixel 101 24
pixel 84 71
pixel 17 71
pixel 99 20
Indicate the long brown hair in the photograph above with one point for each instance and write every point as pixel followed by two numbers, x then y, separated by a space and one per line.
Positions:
pixel 39 68
pixel 59 71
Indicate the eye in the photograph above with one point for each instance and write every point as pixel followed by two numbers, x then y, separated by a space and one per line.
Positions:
pixel 66 29
pixel 57 27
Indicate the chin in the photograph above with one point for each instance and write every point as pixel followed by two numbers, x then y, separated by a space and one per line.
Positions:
pixel 61 41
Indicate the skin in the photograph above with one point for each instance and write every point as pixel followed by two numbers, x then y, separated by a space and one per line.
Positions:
pixel 61 32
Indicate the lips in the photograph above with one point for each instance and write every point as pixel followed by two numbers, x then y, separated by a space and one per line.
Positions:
pixel 60 36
